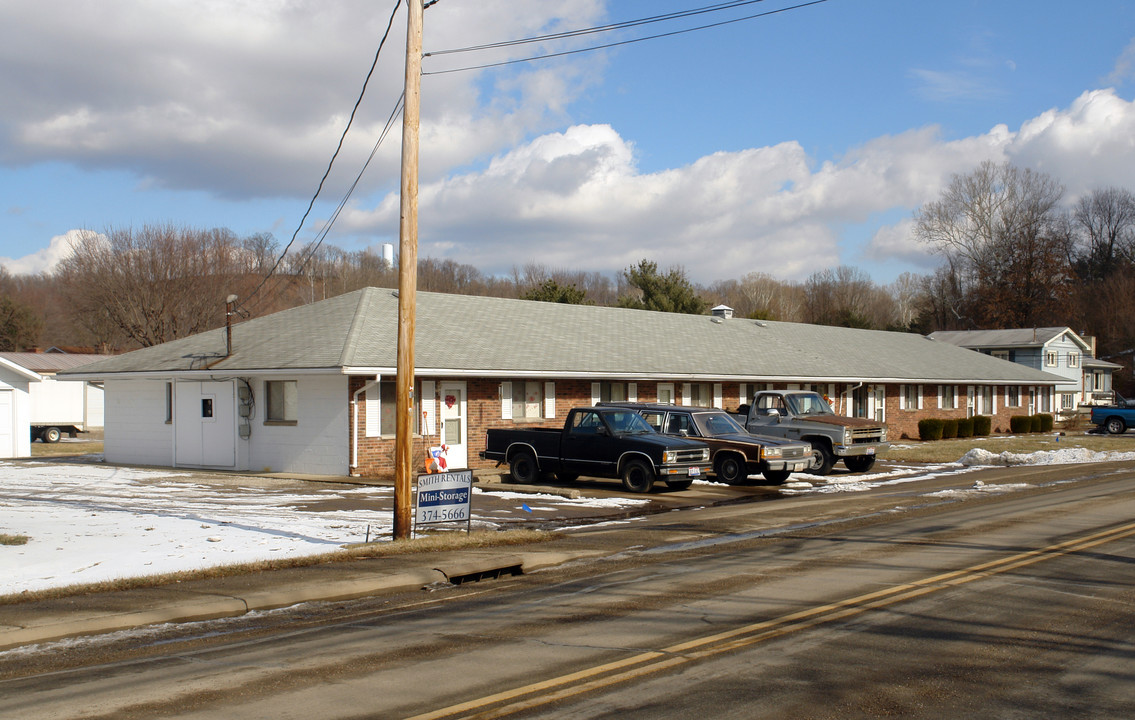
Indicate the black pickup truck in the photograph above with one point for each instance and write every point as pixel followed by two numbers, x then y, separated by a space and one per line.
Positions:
pixel 600 442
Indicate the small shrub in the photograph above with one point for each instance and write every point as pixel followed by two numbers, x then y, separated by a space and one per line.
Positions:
pixel 1020 424
pixel 982 425
pixel 930 429
pixel 949 429
pixel 1047 422
pixel 965 427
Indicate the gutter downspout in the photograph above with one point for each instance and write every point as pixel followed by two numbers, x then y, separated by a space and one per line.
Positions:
pixel 355 419
pixel 847 393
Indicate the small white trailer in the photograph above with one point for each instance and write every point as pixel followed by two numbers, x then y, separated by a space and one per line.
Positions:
pixel 61 407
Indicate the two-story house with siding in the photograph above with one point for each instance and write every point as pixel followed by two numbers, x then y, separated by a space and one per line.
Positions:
pixel 1055 350
pixel 312 389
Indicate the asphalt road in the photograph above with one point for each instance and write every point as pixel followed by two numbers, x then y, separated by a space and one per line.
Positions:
pixel 904 601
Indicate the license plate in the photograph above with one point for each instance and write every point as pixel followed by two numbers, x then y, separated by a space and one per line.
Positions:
pixel 798 467
pixel 870 451
pixel 694 472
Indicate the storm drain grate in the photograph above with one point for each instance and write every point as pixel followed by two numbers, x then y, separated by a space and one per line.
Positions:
pixel 486 574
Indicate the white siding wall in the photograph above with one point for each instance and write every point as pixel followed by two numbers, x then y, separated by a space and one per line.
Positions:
pixel 136 431
pixel 318 443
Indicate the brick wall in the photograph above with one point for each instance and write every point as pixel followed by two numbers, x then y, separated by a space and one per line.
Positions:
pixel 483 411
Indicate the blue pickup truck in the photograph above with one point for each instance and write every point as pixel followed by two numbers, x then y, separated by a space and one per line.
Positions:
pixel 1115 419
pixel 599 442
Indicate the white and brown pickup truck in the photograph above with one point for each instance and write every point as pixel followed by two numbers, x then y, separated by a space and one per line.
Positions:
pixel 805 415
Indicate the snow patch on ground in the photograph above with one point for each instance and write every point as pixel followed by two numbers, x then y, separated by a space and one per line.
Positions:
pixel 93 523
pixel 1064 456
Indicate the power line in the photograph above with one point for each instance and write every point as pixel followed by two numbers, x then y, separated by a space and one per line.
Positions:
pixel 600 28
pixel 309 252
pixel 331 163
pixel 613 44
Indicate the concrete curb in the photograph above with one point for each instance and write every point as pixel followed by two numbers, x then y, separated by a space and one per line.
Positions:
pixel 196 607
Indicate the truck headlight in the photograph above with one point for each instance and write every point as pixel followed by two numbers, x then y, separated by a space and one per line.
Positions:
pixel 883 438
pixel 847 436
pixel 772 452
pixel 669 457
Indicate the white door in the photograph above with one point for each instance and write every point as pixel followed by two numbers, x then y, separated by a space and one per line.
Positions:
pixel 454 429
pixel 7 422
pixel 204 422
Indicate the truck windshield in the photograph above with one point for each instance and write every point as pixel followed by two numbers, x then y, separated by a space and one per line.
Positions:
pixel 627 422
pixel 808 404
pixel 714 424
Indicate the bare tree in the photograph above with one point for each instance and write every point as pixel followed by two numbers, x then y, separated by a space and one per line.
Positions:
pixel 908 295
pixel 1001 230
pixel 151 285
pixel 1105 221
pixel 846 296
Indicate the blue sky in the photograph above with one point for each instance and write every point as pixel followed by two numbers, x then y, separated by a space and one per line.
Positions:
pixel 785 144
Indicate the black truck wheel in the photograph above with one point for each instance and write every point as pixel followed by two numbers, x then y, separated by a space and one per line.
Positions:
pixel 730 469
pixel 1115 425
pixel 638 476
pixel 822 460
pixel 859 463
pixel 51 435
pixel 524 467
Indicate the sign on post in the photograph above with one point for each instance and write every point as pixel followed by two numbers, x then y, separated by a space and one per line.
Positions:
pixel 444 498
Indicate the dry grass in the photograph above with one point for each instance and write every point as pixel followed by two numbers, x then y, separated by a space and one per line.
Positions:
pixel 63 449
pixel 6 539
pixel 952 450
pixel 434 542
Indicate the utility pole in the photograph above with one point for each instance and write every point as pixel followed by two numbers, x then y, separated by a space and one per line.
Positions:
pixel 407 274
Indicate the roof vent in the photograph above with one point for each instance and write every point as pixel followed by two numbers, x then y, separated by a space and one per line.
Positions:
pixel 722 311
pixel 759 323
pixel 716 320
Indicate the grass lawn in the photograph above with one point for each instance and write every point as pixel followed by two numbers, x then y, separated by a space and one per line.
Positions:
pixel 953 450
pixel 64 448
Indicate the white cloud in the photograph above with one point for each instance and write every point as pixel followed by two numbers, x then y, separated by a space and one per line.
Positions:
pixel 1090 144
pixel 45 260
pixel 576 199
pixel 248 98
pixel 1124 70
pixel 897 242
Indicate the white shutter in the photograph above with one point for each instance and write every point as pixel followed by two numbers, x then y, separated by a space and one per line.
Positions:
pixel 687 390
pixel 941 389
pixel 428 408
pixel 506 400
pixel 373 411
pixel 743 392
pixel 993 411
pixel 919 397
pixel 902 397
pixel 549 399
pixel 596 393
pixel 717 392
pixel 632 392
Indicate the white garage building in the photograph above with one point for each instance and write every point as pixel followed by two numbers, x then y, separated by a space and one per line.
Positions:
pixel 15 409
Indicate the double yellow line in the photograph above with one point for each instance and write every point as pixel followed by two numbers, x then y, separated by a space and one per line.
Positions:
pixel 620 671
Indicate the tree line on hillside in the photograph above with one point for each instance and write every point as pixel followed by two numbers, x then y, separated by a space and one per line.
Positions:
pixel 1012 256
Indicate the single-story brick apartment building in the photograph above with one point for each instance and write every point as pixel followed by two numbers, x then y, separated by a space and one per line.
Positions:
pixel 311 389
